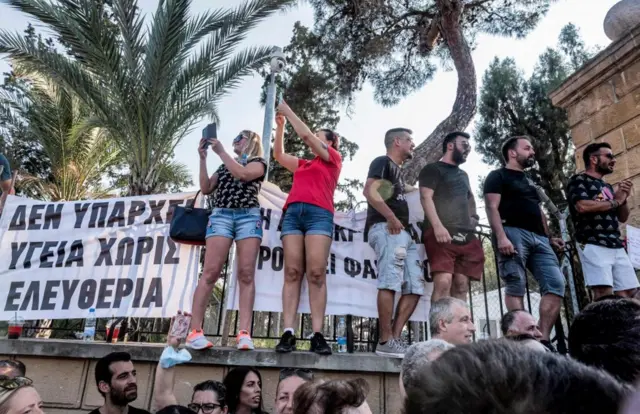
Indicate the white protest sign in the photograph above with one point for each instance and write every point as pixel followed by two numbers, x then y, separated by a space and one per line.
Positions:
pixel 57 260
pixel 633 245
pixel 351 273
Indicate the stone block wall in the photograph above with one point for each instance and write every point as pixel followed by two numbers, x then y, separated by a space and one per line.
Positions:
pixel 63 372
pixel 602 101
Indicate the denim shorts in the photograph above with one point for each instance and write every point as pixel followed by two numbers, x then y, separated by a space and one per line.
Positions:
pixel 534 253
pixel 235 223
pixel 399 265
pixel 306 219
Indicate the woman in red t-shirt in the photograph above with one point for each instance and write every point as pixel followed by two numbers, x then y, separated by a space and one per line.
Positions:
pixel 307 225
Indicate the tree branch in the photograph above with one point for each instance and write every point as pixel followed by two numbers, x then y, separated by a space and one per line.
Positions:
pixel 464 107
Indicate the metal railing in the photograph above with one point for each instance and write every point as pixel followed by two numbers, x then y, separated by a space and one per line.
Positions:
pixel 485 300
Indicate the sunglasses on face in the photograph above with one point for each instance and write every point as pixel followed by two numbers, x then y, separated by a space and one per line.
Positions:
pixel 608 155
pixel 239 138
pixel 206 408
pixel 305 374
pixel 9 383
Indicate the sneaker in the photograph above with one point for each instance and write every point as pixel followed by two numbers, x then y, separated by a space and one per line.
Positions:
pixel 392 348
pixel 244 341
pixel 196 340
pixel 287 343
pixel 319 345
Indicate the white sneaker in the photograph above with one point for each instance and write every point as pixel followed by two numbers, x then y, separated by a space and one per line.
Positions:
pixel 392 348
pixel 244 341
pixel 196 340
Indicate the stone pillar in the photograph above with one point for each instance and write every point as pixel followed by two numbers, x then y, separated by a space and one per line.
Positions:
pixel 603 101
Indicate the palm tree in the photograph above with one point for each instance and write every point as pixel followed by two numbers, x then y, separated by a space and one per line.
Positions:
pixel 146 86
pixel 79 157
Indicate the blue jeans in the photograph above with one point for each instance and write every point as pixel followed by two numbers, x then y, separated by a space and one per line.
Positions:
pixel 399 265
pixel 306 219
pixel 235 223
pixel 534 253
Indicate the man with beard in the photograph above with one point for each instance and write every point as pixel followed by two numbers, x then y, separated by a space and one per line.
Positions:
pixel 596 211
pixel 521 234
pixel 455 253
pixel 387 232
pixel 116 381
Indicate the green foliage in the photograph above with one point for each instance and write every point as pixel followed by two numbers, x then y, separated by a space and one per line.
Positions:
pixel 396 45
pixel 310 88
pixel 144 84
pixel 512 105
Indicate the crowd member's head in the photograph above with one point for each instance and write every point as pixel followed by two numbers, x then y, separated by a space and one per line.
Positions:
pixel 248 143
pixel 606 335
pixel 472 379
pixel 519 152
pixel 17 396
pixel 417 356
pixel 399 141
pixel 12 368
pixel 244 390
pixel 209 398
pixel 456 145
pixel 116 379
pixel 450 320
pixel 528 341
pixel 519 322
pixel 332 397
pixel 599 158
pixel 290 380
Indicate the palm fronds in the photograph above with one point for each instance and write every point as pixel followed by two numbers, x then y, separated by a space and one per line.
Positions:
pixel 145 85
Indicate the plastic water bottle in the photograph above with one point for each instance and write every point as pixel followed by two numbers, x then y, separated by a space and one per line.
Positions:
pixel 90 326
pixel 342 336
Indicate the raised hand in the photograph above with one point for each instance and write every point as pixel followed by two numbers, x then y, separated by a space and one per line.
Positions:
pixel 202 149
pixel 216 146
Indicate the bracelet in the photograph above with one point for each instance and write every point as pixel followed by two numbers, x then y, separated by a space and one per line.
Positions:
pixel 614 204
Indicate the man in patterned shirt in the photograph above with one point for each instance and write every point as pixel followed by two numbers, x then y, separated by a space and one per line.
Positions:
pixel 596 210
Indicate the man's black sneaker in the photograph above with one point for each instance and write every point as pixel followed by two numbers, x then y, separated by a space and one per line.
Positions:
pixel 319 345
pixel 549 346
pixel 287 343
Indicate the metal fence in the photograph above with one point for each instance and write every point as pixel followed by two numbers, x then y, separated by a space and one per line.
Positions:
pixel 485 300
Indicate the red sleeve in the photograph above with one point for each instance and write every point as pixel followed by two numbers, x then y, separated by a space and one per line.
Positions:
pixel 334 157
pixel 301 162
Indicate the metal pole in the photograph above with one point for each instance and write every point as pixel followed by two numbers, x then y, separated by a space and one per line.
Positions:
pixel 269 109
pixel 565 266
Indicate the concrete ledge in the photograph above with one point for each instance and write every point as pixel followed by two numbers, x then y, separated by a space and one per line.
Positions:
pixel 356 362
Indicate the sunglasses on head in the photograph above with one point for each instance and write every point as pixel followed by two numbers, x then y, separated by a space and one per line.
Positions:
pixel 305 374
pixel 206 408
pixel 9 383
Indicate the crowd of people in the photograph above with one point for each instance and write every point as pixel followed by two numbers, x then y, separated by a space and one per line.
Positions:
pixel 520 373
pixel 514 207
pixel 448 373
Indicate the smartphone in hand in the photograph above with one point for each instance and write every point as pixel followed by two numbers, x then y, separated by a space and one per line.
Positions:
pixel 210 131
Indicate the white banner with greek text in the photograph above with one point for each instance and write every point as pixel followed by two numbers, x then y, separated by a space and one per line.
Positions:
pixel 57 260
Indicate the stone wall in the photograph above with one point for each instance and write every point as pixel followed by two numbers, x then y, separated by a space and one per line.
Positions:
pixel 602 100
pixel 63 372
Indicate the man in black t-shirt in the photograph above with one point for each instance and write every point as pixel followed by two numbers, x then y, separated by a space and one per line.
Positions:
pixel 596 211
pixel 116 381
pixel 521 234
pixel 398 266
pixel 455 253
